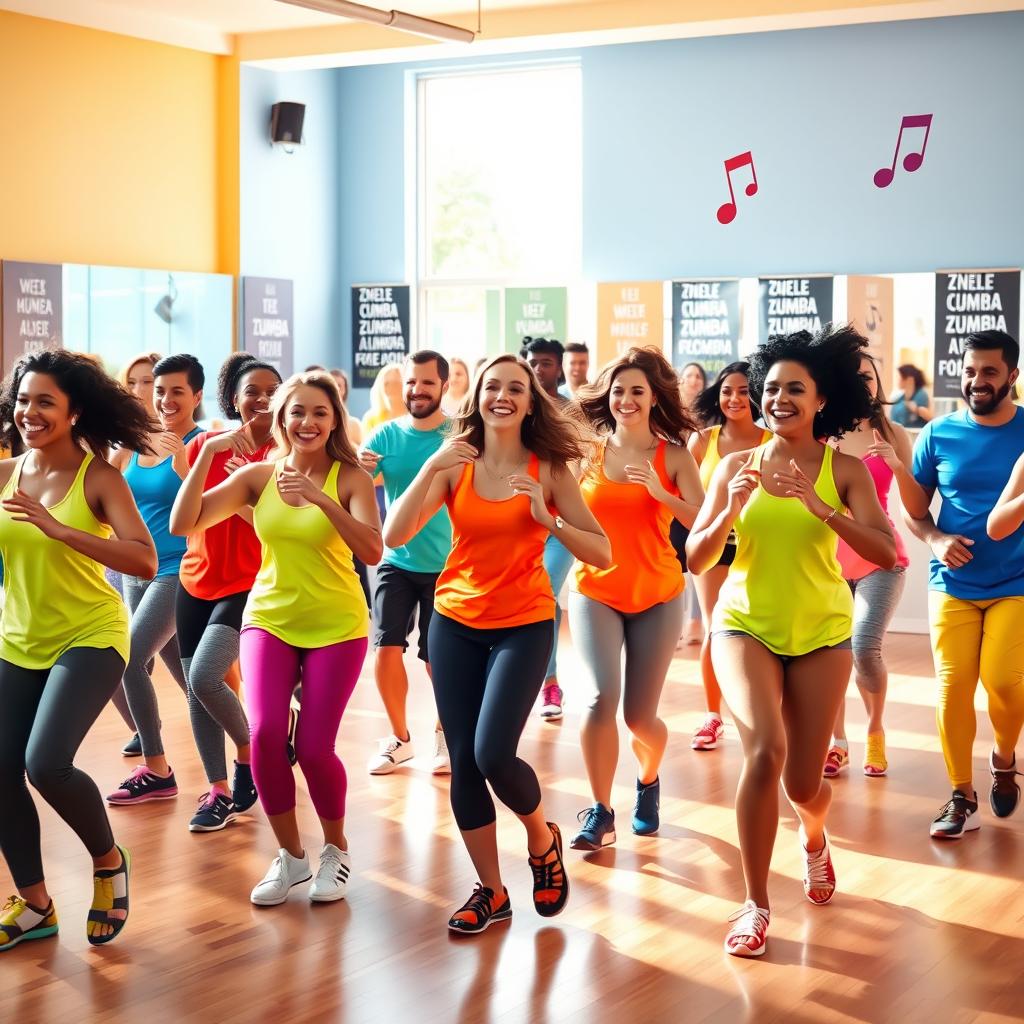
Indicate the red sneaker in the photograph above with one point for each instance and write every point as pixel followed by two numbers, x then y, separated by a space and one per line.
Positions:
pixel 708 735
pixel 749 935
pixel 819 875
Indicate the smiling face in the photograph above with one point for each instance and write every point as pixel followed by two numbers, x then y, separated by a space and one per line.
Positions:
pixel 986 380
pixel 630 398
pixel 423 389
pixel 505 399
pixel 252 399
pixel 308 418
pixel 139 379
pixel 43 411
pixel 734 397
pixel 791 400
pixel 175 401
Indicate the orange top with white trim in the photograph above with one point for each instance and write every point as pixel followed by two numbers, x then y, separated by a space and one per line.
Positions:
pixel 645 570
pixel 494 576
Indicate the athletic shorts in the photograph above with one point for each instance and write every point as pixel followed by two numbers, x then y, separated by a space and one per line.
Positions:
pixel 397 595
pixel 843 645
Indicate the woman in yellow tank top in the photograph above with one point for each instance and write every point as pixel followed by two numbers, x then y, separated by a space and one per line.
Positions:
pixel 65 514
pixel 781 630
pixel 313 509
pixel 724 409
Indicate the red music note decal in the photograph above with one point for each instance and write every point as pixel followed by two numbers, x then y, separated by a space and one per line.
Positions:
pixel 912 161
pixel 727 211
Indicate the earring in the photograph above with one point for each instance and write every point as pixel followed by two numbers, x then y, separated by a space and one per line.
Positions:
pixel 74 420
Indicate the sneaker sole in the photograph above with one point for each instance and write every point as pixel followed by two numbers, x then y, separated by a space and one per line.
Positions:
pixel 969 827
pixel 141 799
pixel 547 717
pixel 214 828
pixel 704 746
pixel 835 774
pixel 443 770
pixel 876 773
pixel 745 951
pixel 494 919
pixel 42 933
pixel 277 901
pixel 606 840
pixel 388 769
pixel 329 899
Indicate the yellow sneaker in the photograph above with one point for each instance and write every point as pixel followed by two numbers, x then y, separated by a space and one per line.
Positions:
pixel 19 923
pixel 875 764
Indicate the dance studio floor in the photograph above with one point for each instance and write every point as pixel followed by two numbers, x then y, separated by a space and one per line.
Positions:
pixel 918 931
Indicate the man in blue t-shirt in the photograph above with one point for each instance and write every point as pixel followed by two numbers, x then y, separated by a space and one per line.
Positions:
pixel 407 575
pixel 976 586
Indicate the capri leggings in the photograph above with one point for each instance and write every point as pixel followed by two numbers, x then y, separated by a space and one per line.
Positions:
pixel 875 598
pixel 46 714
pixel 485 684
pixel 208 639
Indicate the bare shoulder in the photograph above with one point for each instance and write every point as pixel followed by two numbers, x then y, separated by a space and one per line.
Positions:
pixel 848 469
pixel 734 461
pixel 6 469
pixel 677 455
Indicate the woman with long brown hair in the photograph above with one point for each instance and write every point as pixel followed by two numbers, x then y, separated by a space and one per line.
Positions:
pixel 504 476
pixel 635 483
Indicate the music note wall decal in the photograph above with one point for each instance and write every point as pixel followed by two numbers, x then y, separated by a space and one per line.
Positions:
pixel 912 161
pixel 727 211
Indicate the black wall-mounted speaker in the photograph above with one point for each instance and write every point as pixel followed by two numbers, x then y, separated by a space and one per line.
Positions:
pixel 286 123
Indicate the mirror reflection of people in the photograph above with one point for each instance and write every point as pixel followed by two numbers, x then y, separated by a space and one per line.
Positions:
pixel 910 402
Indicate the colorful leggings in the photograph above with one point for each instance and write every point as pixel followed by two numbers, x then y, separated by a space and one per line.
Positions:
pixel 270 672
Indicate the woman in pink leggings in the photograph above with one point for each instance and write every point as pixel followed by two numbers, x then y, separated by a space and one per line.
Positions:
pixel 313 509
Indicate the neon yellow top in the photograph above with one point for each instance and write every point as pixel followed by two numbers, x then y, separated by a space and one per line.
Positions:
pixel 785 586
pixel 712 456
pixel 56 597
pixel 307 592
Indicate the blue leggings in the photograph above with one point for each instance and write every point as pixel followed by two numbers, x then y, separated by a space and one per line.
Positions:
pixel 557 563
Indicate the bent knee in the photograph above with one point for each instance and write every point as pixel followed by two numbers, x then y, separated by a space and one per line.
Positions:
pixel 765 761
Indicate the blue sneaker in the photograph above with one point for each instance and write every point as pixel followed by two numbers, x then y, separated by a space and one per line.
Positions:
pixel 598 828
pixel 243 789
pixel 215 812
pixel 645 814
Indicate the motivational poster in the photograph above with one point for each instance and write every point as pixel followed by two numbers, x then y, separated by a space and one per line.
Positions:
pixel 967 301
pixel 535 313
pixel 380 329
pixel 32 309
pixel 789 304
pixel 869 307
pixel 268 321
pixel 705 324
pixel 629 313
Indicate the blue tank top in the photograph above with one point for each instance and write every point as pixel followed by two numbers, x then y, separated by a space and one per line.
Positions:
pixel 154 489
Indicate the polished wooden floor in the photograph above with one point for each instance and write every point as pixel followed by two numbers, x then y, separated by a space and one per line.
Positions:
pixel 918 931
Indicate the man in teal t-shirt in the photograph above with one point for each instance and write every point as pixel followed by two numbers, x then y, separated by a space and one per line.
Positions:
pixel 407 575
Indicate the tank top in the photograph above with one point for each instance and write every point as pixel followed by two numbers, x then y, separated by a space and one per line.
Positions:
pixel 56 597
pixel 855 567
pixel 306 592
pixel 154 489
pixel 645 570
pixel 494 577
pixel 712 456
pixel 785 587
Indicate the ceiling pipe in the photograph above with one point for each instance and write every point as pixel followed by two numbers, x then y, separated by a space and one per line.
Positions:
pixel 389 19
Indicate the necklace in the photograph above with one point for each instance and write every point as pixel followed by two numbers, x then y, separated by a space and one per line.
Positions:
pixel 496 475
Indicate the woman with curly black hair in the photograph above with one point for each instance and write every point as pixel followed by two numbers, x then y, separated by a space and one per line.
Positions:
pixel 782 626
pixel 65 513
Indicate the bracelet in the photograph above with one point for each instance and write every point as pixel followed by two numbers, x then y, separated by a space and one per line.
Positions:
pixel 830 516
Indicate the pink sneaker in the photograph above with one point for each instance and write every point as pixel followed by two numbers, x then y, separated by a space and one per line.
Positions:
pixel 708 735
pixel 819 875
pixel 551 701
pixel 837 760
pixel 143 785
pixel 749 935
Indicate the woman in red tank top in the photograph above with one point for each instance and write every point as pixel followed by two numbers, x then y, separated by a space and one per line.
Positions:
pixel 505 479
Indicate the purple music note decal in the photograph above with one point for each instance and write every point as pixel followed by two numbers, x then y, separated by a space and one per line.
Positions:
pixel 912 161
pixel 727 211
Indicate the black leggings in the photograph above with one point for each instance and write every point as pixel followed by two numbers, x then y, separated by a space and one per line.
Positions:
pixel 485 684
pixel 44 716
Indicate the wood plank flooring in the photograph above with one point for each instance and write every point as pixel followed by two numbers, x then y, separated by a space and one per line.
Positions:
pixel 919 931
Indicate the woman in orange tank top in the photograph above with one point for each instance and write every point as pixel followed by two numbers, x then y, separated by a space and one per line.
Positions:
pixel 504 477
pixel 635 483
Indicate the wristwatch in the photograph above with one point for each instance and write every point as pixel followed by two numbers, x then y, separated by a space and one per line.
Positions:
pixel 559 522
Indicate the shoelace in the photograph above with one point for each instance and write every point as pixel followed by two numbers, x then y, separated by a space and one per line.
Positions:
pixel 817 869
pixel 553 694
pixel 12 903
pixel 590 818
pixel 479 903
pixel 392 746
pixel 135 778
pixel 750 920
pixel 544 871
pixel 952 810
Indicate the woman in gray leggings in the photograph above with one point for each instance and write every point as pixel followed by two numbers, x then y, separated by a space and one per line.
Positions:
pixel 635 484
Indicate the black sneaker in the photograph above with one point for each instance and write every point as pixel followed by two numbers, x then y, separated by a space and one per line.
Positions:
pixel 958 816
pixel 133 748
pixel 646 820
pixel 598 828
pixel 1005 793
pixel 550 882
pixel 478 912
pixel 243 789
pixel 215 811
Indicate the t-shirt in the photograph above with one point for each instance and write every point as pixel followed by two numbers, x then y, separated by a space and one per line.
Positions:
pixel 403 450
pixel 969 464
pixel 899 413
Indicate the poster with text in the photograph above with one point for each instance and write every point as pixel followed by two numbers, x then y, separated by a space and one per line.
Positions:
pixel 380 329
pixel 705 324
pixel 32 309
pixel 268 321
pixel 967 301
pixel 629 313
pixel 535 313
pixel 869 307
pixel 790 304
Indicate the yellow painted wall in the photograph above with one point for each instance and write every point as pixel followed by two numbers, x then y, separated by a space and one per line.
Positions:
pixel 116 150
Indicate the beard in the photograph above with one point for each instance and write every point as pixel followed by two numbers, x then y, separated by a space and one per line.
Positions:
pixel 983 405
pixel 423 412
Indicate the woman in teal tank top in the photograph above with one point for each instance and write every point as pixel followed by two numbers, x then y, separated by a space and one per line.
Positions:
pixel 782 625
pixel 65 513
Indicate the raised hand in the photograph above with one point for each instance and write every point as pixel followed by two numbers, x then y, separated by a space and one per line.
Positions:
pixel 238 441
pixel 647 476
pixel 743 485
pixel 291 481
pixel 456 451
pixel 165 443
pixel 369 460
pixel 235 463
pixel 523 483
pixel 952 549
pixel 25 509
pixel 797 484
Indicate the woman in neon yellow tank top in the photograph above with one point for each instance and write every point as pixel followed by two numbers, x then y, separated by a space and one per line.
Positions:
pixel 65 514
pixel 313 509
pixel 782 626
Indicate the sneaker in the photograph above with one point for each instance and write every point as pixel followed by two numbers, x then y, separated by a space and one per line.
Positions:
pixel 958 816
pixel 749 935
pixel 551 702
pixel 285 871
pixel 1005 793
pixel 875 764
pixel 21 923
pixel 216 810
pixel 837 760
pixel 478 913
pixel 598 828
pixel 391 753
pixel 331 880
pixel 143 785
pixel 819 875
pixel 646 820
pixel 293 724
pixel 709 733
pixel 133 748
pixel 243 789
pixel 550 882
pixel 440 763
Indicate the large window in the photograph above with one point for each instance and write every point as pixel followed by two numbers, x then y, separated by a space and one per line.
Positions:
pixel 499 197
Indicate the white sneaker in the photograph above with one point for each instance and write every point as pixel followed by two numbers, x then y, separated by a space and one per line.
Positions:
pixel 441 765
pixel 391 752
pixel 331 880
pixel 285 872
